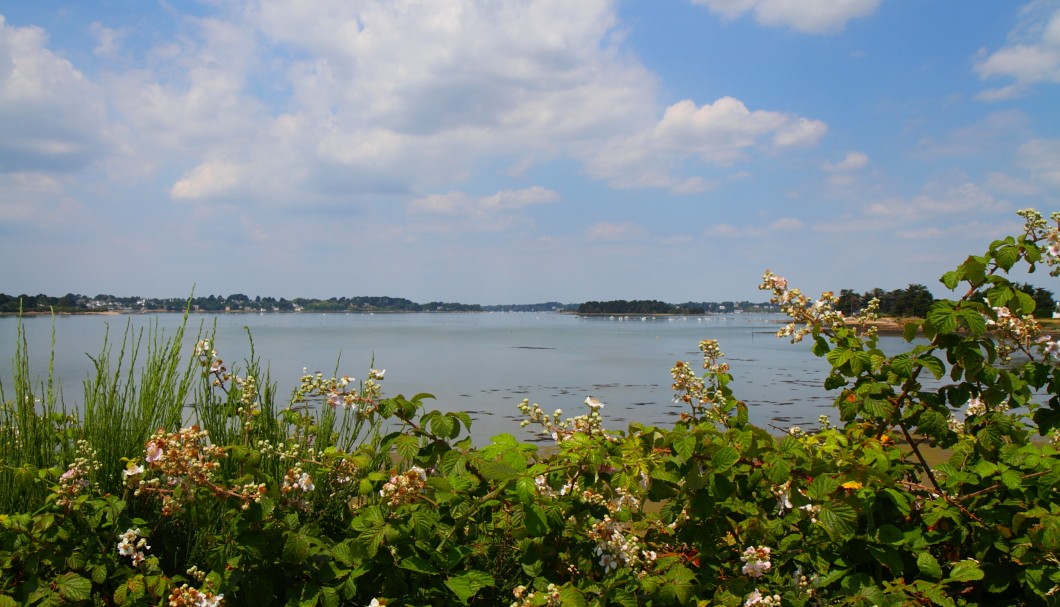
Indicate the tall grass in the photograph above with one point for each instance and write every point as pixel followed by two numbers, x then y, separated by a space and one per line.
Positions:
pixel 35 429
pixel 133 392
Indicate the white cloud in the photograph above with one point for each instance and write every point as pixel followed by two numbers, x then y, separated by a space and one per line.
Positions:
pixel 484 213
pixel 809 16
pixel 853 161
pixel 207 180
pixel 1041 157
pixel 719 134
pixel 965 199
pixel 614 232
pixel 1032 57
pixel 52 118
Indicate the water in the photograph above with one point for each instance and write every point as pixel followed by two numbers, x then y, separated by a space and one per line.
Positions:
pixel 483 363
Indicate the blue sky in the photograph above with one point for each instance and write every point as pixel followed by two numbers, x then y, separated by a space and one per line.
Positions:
pixel 514 152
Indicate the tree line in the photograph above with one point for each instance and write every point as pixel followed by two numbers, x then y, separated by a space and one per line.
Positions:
pixel 916 299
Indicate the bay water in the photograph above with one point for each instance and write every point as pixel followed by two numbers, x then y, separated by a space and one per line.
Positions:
pixel 483 363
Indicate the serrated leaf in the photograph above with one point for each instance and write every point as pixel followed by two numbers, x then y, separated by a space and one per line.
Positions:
pixel 965 571
pixel 950 279
pixel 683 447
pixel 418 564
pixel 535 520
pixel 909 330
pixel 443 426
pixel 525 489
pixel 929 565
pixel 678 586
pixel 933 364
pixel 465 586
pixel 1007 256
pixel 406 446
pixel 569 595
pixel 73 587
pixel 942 317
pixel 296 548
pixel 821 488
pixel 838 519
pixel 724 459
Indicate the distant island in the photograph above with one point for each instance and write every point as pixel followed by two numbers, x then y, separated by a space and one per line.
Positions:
pixel 72 303
pixel 912 301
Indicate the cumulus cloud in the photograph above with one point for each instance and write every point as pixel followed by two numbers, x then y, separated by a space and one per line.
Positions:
pixel 965 199
pixel 719 134
pixel 1032 57
pixel 1041 157
pixel 490 213
pixel 52 118
pixel 606 231
pixel 808 16
pixel 853 161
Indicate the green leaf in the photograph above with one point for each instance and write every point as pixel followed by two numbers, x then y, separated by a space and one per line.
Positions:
pixel 418 564
pixel 822 487
pixel 679 584
pixel 443 426
pixel 909 330
pixel 73 587
pixel 406 446
pixel 965 571
pixel 569 595
pixel 942 316
pixel 535 520
pixel 933 364
pixel 296 548
pixel 497 471
pixel 683 447
pixel 950 279
pixel 1006 256
pixel 724 459
pixel 820 346
pixel 6 601
pixel 838 519
pixel 466 585
pixel 929 566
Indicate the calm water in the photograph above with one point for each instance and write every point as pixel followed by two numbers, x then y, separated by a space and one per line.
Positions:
pixel 482 363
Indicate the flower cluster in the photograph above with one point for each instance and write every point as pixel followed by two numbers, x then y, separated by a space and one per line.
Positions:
pixel 343 391
pixel 561 429
pixel 75 479
pixel 133 546
pixel 526 599
pixel 185 596
pixel 617 549
pixel 210 363
pixel 296 479
pixel 1039 230
pixel 756 561
pixel 703 394
pixel 757 598
pixel 812 315
pixel 405 488
pixel 181 462
pixel 1014 333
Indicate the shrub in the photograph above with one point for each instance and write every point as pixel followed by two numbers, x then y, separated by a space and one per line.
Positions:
pixel 347 497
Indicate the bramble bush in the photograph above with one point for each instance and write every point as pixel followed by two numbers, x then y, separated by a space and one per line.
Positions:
pixel 346 497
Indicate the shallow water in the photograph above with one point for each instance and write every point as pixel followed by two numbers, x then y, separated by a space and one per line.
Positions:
pixel 483 363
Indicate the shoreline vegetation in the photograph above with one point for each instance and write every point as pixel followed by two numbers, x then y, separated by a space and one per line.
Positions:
pixel 185 480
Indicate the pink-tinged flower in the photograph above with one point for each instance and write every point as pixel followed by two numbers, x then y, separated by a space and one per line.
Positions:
pixel 132 470
pixel 756 561
pixel 334 399
pixel 154 452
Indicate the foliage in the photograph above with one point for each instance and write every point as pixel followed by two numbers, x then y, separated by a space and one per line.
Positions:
pixel 347 497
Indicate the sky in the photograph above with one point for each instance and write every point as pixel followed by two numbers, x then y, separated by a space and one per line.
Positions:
pixel 504 151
